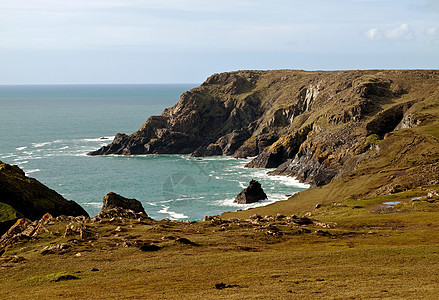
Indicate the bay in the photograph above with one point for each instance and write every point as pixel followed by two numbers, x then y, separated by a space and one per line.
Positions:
pixel 47 131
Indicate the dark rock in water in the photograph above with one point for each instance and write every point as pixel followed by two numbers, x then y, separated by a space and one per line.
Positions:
pixel 252 193
pixel 113 200
pixel 21 196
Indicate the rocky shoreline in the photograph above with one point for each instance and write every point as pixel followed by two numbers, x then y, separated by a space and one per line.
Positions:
pixel 370 131
pixel 315 126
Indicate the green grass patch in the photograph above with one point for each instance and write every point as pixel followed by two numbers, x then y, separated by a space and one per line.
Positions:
pixel 7 213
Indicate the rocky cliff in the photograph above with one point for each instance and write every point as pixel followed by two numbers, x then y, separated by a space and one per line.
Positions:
pixel 316 126
pixel 21 196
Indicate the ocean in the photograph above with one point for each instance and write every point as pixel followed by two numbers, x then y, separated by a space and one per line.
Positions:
pixel 47 130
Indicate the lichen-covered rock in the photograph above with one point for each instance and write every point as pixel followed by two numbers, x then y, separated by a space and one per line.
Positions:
pixel 25 229
pixel 120 213
pixel 78 229
pixel 252 193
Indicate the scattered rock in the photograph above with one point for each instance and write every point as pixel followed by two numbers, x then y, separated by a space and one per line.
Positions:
pixel 78 228
pixel 56 249
pixel 148 247
pixel 120 229
pixel 24 229
pixel 216 221
pixel 322 232
pixel 247 249
pixel 279 217
pixel 252 193
pixel 120 213
pixel 255 217
pixel 184 241
pixel 302 221
pixel 66 277
pixel 12 259
pixel 221 286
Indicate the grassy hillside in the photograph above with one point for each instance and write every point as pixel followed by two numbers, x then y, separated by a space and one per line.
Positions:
pixel 368 142
pixel 356 249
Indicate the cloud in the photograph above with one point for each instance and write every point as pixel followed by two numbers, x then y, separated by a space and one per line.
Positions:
pixel 431 6
pixel 432 31
pixel 401 33
pixel 373 33
pixel 433 34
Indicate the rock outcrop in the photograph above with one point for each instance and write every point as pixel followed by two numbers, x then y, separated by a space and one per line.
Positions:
pixel 113 200
pixel 316 126
pixel 21 196
pixel 251 194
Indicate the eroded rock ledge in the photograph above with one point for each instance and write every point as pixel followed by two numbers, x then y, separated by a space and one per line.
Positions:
pixel 312 125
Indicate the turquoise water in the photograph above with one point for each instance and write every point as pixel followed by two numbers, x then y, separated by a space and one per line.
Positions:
pixel 47 131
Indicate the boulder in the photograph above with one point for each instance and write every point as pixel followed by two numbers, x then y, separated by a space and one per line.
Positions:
pixel 252 193
pixel 24 197
pixel 113 200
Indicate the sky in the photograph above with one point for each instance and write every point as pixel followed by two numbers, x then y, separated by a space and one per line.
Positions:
pixel 178 41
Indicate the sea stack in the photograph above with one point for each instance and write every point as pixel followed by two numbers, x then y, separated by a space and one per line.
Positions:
pixel 251 194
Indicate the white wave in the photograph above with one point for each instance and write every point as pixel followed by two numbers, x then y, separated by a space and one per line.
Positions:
pixel 242 184
pixel 99 139
pixel 289 181
pixel 32 171
pixel 229 203
pixel 22 162
pixel 63 148
pixel 93 204
pixel 82 154
pixel 261 173
pixel 166 201
pixel 21 148
pixel 285 180
pixel 38 145
pixel 218 158
pixel 173 215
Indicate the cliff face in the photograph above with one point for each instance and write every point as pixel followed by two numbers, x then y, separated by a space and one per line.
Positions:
pixel 317 126
pixel 21 196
